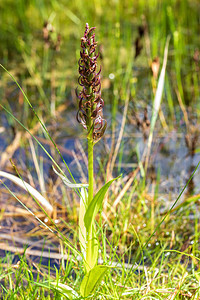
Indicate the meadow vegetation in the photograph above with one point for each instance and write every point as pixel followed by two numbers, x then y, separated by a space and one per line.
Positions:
pixel 145 224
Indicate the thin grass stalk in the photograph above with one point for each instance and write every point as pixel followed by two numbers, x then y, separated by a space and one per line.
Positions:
pixel 40 200
pixel 120 135
pixel 157 103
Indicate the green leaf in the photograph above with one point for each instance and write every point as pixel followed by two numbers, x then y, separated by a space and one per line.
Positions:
pixel 66 290
pixel 92 279
pixel 92 249
pixel 82 229
pixel 95 204
pixel 69 183
pixel 63 289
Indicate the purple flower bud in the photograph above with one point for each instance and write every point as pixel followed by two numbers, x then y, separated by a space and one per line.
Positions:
pixel 90 113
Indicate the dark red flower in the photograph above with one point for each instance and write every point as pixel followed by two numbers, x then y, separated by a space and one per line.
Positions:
pixel 90 102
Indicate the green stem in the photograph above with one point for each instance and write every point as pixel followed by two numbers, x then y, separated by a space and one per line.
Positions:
pixel 89 235
pixel 90 169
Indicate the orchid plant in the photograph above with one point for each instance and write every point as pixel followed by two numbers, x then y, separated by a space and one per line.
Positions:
pixel 90 116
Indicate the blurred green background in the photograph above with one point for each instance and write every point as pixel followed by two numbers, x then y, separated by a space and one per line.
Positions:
pixel 43 66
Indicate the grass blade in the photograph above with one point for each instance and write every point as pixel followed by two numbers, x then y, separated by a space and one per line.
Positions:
pixel 157 102
pixel 33 192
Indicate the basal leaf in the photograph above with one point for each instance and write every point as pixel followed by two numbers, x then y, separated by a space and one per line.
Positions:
pixel 93 245
pixel 65 290
pixel 95 204
pixel 92 279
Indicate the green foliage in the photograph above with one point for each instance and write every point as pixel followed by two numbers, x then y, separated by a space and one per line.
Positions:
pixel 92 279
pixel 67 291
pixel 95 205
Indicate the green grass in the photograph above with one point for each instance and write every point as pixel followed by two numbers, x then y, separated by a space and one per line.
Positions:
pixel 168 266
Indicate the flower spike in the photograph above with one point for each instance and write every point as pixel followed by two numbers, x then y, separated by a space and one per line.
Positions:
pixel 90 113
